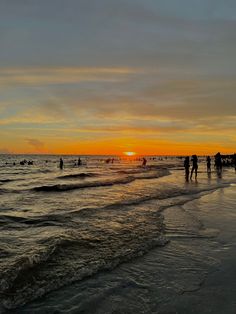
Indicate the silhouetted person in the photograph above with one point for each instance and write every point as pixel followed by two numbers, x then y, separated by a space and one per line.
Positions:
pixel 61 163
pixel 79 162
pixel 218 162
pixel 144 162
pixel 194 166
pixel 208 160
pixel 186 167
pixel 234 161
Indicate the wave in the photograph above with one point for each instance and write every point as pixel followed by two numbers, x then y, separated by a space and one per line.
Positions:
pixel 3 191
pixel 44 171
pixel 145 169
pixel 68 187
pixel 167 199
pixel 78 175
pixel 14 222
pixel 72 257
pixel 6 180
pixel 79 253
pixel 2 181
pixel 94 184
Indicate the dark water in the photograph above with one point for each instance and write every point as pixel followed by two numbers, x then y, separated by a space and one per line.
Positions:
pixel 60 227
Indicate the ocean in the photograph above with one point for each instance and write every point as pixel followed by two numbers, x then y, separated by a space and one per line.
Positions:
pixel 96 238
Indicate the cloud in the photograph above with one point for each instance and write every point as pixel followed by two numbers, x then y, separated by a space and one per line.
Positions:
pixel 37 144
pixel 170 106
pixel 61 75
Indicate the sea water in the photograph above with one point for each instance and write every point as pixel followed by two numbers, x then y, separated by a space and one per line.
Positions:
pixel 76 229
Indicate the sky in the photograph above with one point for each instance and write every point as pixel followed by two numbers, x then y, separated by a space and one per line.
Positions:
pixel 109 76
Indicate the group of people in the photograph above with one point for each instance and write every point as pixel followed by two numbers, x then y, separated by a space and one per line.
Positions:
pixel 77 163
pixel 194 159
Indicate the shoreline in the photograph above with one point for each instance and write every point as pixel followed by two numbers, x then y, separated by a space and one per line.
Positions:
pixel 215 293
pixel 184 276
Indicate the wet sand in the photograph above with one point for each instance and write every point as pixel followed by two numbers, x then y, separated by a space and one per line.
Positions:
pixel 217 292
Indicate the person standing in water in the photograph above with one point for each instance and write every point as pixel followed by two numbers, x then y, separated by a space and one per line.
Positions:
pixel 61 164
pixel 234 161
pixel 194 166
pixel 79 162
pixel 144 161
pixel 208 160
pixel 218 162
pixel 186 166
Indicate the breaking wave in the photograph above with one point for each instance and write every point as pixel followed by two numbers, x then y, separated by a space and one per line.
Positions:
pixel 94 184
pixel 71 257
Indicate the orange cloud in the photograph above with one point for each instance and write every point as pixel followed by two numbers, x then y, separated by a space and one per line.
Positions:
pixel 61 75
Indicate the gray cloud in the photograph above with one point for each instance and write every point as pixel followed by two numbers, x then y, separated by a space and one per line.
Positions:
pixel 35 143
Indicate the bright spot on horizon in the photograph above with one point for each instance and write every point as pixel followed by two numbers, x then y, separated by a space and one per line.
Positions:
pixel 129 153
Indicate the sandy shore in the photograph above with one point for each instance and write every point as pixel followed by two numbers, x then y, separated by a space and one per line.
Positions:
pixel 217 292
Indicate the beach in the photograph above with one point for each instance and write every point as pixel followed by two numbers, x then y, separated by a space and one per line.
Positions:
pixel 117 238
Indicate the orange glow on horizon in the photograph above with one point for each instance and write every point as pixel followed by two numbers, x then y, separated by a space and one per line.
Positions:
pixel 17 143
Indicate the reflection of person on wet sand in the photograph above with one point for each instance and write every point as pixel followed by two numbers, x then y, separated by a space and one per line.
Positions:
pixel 194 166
pixel 186 166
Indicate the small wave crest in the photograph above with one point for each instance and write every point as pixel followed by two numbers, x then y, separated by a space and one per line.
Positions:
pixel 94 184
pixel 78 175
pixel 68 187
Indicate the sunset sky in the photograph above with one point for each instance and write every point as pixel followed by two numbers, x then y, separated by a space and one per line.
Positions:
pixel 108 76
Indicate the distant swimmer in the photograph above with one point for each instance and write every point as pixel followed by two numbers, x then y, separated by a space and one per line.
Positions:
pixel 144 162
pixel 208 161
pixel 79 162
pixel 186 167
pixel 61 164
pixel 194 160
